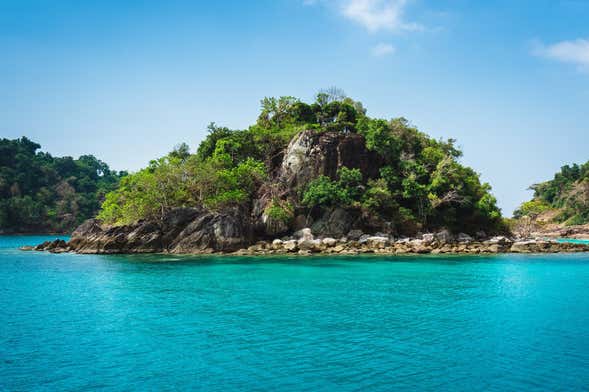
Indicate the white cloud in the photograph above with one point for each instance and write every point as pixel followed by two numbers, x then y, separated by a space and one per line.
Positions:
pixel 377 15
pixel 573 52
pixel 383 49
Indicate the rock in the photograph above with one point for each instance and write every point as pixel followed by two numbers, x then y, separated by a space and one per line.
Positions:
pixel 329 242
pixel 311 245
pixel 311 154
pixel 27 248
pixel 363 238
pixel 182 230
pixel 501 240
pixel 55 246
pixel 339 248
pixel 301 221
pixel 495 248
pixel 304 234
pixel 335 222
pixel 524 247
pixel 444 237
pixel 273 226
pixel 377 242
pixel 290 245
pixel 428 238
pixel 354 235
pixel 464 238
pixel 217 231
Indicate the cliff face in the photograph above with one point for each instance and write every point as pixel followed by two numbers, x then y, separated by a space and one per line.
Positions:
pixel 309 155
pixel 182 230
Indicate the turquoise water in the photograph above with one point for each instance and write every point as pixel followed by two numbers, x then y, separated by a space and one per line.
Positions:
pixel 573 241
pixel 73 322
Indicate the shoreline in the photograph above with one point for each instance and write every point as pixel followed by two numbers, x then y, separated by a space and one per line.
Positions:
pixel 377 245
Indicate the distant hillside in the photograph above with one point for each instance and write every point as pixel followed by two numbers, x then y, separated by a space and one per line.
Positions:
pixel 42 193
pixel 564 199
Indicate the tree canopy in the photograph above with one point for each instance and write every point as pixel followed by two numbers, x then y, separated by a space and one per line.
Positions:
pixel 39 192
pixel 421 183
pixel 567 192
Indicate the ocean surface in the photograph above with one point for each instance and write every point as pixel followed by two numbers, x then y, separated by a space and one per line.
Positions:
pixel 461 323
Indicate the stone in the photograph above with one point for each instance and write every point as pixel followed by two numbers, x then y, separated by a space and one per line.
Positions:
pixel 329 242
pixel 428 238
pixel 444 237
pixel 502 240
pixel 375 242
pixel 304 234
pixel 181 230
pixel 290 245
pixel 335 222
pixel 463 237
pixel 339 248
pixel 363 238
pixel 354 235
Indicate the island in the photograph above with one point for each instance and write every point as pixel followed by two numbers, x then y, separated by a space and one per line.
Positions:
pixel 306 178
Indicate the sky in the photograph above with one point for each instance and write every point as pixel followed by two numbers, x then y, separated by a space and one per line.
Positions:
pixel 126 80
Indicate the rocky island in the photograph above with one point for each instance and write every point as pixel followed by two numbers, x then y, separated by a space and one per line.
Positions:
pixel 306 178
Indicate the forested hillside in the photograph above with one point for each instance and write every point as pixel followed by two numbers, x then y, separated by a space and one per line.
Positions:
pixel 323 163
pixel 42 193
pixel 566 196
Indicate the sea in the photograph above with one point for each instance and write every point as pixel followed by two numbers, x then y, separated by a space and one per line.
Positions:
pixel 507 322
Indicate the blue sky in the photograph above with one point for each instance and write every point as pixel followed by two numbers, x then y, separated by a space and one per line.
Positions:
pixel 127 80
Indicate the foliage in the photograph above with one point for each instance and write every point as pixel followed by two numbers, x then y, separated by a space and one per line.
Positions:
pixel 279 210
pixel 39 192
pixel 567 192
pixel 420 183
pixel 532 208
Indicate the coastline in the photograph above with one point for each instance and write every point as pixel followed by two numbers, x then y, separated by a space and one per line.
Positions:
pixel 305 246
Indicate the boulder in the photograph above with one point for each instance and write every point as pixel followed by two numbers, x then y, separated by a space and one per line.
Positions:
pixel 304 234
pixel 290 245
pixel 354 235
pixel 311 245
pixel 335 222
pixel 377 242
pixel 501 240
pixel 428 238
pixel 363 238
pixel 444 237
pixel 464 238
pixel 329 242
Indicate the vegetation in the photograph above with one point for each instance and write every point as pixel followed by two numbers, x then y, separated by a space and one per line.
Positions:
pixel 567 193
pixel 39 192
pixel 421 183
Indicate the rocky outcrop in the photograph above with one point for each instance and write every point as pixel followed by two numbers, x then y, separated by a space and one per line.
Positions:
pixel 336 222
pixel 562 231
pixel 182 230
pixel 305 243
pixel 311 154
